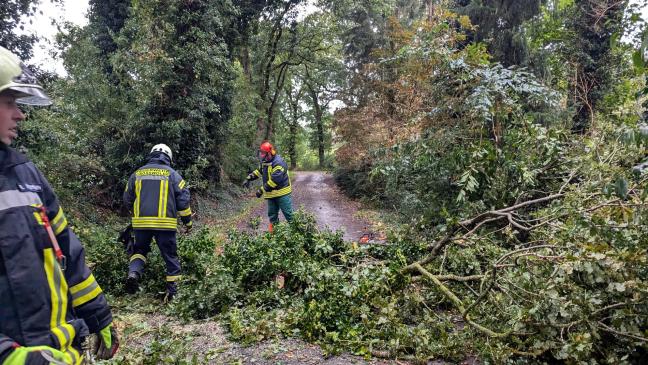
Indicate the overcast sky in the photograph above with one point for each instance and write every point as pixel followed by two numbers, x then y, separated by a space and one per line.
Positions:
pixel 75 11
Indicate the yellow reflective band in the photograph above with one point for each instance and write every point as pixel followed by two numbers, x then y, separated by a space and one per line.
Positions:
pixel 155 220
pixel 77 359
pixel 65 334
pixel 186 212
pixel 270 182
pixel 38 218
pixel 137 257
pixel 82 285
pixel 138 190
pixel 278 168
pixel 60 228
pixel 153 172
pixel 160 198
pixel 165 199
pixel 59 222
pixel 58 217
pixel 155 225
pixel 86 297
pixel 85 291
pixel 182 184
pixel 278 193
pixel 159 222
pixel 257 173
pixel 174 278
pixel 58 296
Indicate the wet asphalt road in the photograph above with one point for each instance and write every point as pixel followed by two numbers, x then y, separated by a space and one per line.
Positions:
pixel 316 192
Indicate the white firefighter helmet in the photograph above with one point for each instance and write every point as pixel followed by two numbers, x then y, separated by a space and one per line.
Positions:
pixel 15 76
pixel 164 149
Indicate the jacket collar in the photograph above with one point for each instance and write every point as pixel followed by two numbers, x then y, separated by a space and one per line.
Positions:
pixel 160 159
pixel 11 157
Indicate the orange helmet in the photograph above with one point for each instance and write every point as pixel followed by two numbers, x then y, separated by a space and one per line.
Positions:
pixel 267 147
pixel 267 151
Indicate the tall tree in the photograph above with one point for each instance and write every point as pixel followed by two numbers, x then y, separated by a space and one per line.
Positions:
pixel 640 59
pixel 245 24
pixel 499 25
pixel 278 37
pixel 13 14
pixel 185 82
pixel 294 97
pixel 107 18
pixel 322 74
pixel 362 27
pixel 322 82
pixel 595 25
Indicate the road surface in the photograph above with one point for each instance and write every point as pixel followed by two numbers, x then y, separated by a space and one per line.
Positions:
pixel 316 193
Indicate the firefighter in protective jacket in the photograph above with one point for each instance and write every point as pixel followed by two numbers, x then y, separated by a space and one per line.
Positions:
pixel 276 188
pixel 49 299
pixel 157 195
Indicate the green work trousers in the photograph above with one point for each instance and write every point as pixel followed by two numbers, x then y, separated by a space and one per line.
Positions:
pixel 283 203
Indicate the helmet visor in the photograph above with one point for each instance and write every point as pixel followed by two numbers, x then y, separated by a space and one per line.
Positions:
pixel 30 95
pixel 264 155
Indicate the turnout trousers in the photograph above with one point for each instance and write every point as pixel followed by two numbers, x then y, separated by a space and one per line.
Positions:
pixel 283 203
pixel 166 242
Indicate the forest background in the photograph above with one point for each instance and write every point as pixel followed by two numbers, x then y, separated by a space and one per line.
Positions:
pixel 497 138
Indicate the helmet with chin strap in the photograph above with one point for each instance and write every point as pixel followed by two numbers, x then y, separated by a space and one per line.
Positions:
pixel 164 149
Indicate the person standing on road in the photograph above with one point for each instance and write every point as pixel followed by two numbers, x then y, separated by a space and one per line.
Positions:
pixel 49 299
pixel 276 188
pixel 157 195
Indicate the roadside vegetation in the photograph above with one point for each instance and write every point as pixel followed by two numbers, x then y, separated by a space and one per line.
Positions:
pixel 496 139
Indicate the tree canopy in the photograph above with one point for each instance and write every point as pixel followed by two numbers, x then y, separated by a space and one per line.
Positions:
pixel 502 145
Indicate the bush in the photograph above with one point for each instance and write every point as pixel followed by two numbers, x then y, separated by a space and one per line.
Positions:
pixel 565 302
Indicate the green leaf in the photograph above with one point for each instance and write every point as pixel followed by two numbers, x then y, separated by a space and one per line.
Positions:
pixel 637 61
pixel 621 187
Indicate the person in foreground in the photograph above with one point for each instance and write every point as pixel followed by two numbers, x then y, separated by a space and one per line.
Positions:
pixel 49 300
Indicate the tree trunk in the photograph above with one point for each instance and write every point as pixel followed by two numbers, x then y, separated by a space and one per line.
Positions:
pixel 292 145
pixel 320 139
pixel 430 11
pixel 293 121
pixel 245 62
pixel 318 123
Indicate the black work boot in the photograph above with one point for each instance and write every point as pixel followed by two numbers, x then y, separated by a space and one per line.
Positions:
pixel 171 291
pixel 168 296
pixel 132 283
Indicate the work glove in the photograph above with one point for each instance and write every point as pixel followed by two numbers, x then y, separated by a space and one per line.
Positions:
pixel 259 193
pixel 246 183
pixel 106 343
pixel 188 227
pixel 37 355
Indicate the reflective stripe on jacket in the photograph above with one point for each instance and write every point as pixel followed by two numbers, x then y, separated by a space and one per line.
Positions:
pixel 41 302
pixel 275 177
pixel 158 196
